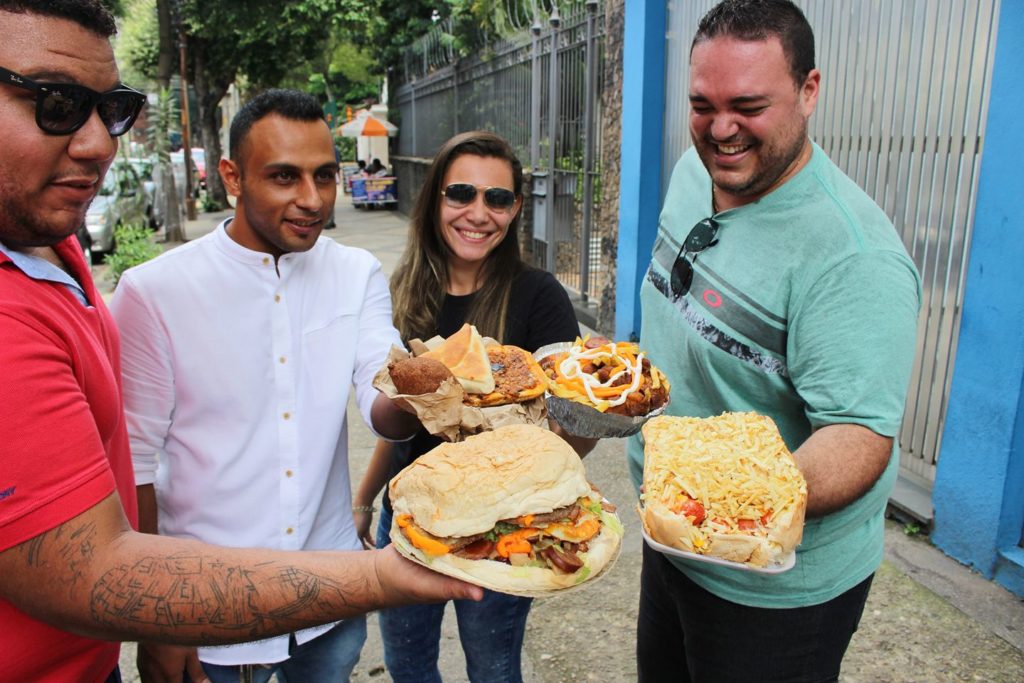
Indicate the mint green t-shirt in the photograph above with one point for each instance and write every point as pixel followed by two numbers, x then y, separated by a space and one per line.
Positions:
pixel 805 311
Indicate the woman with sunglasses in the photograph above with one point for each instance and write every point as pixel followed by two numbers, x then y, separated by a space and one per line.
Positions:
pixel 462 264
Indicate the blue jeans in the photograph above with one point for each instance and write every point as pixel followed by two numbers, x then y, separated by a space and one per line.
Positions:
pixel 330 656
pixel 684 633
pixel 491 632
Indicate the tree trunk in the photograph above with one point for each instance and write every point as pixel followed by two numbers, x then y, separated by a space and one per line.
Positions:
pixel 211 133
pixel 167 57
pixel 172 208
pixel 208 95
pixel 327 85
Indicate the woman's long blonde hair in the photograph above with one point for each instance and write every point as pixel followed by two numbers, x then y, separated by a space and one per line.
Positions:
pixel 420 283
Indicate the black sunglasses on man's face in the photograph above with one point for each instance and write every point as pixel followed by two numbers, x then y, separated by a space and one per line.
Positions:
pixel 701 237
pixel 63 108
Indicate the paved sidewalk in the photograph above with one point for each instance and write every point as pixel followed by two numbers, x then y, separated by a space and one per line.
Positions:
pixel 928 619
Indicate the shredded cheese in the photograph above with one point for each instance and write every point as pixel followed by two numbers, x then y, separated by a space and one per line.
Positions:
pixel 735 465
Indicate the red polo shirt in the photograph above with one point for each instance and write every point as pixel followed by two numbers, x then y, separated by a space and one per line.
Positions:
pixel 63 446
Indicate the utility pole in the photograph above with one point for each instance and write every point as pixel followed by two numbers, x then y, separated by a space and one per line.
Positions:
pixel 186 136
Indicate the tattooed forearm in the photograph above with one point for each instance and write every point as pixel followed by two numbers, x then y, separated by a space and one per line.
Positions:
pixel 73 543
pixel 206 596
pixel 94 575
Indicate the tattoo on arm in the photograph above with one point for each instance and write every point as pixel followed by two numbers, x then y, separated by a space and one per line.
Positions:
pixel 201 592
pixel 194 597
pixel 75 545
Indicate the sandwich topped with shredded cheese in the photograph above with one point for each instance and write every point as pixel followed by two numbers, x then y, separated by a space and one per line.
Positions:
pixel 723 486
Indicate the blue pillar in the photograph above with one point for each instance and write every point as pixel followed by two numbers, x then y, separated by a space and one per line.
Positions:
pixel 643 110
pixel 979 485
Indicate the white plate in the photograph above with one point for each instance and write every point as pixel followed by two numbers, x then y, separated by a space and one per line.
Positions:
pixel 776 568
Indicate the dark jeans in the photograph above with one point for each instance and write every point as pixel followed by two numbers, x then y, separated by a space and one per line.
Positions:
pixel 331 656
pixel 115 675
pixel 684 633
pixel 491 633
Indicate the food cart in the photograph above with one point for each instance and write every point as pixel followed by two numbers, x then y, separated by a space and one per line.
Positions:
pixel 374 192
pixel 370 191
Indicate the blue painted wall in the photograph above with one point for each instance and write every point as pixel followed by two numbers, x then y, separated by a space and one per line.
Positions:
pixel 643 111
pixel 979 486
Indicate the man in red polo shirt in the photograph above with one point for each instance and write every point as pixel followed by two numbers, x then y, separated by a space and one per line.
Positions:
pixel 72 569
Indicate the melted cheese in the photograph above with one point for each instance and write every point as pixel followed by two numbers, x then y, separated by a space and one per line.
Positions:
pixel 571 368
pixel 622 355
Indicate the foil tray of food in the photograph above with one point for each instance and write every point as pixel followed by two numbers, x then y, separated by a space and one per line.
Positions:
pixel 601 389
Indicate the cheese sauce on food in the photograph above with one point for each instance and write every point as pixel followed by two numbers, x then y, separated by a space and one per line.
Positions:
pixel 607 376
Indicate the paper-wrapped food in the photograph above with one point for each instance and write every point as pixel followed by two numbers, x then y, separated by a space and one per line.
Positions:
pixel 465 384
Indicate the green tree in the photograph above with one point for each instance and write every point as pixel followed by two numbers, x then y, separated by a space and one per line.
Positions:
pixel 345 73
pixel 162 118
pixel 474 23
pixel 137 45
pixel 398 23
pixel 116 7
pixel 226 39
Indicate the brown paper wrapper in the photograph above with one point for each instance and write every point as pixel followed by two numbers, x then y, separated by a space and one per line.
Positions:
pixel 443 413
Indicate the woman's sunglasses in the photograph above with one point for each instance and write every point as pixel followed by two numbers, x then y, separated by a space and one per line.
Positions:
pixel 701 237
pixel 63 108
pixel 462 194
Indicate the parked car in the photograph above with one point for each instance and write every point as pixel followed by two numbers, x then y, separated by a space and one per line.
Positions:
pixel 121 201
pixel 144 168
pixel 178 164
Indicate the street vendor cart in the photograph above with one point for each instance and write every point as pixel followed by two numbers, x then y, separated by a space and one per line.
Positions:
pixel 374 192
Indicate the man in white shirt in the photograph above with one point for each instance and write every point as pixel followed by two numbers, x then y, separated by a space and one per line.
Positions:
pixel 238 353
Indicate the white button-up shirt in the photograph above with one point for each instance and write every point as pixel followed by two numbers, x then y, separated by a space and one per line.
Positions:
pixel 236 383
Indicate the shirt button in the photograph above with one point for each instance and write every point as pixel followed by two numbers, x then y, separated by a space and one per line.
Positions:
pixel 287 416
pixel 289 530
pixel 287 473
pixel 266 260
pixel 277 298
pixel 282 360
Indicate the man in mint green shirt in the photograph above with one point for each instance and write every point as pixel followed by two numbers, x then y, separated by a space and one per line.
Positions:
pixel 776 285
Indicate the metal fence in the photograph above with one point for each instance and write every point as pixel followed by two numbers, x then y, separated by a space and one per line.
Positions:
pixel 902 111
pixel 540 89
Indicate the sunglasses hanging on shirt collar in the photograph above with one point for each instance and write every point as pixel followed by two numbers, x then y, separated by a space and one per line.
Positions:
pixel 701 237
pixel 63 108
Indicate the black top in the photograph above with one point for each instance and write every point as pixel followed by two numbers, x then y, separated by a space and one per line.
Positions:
pixel 539 313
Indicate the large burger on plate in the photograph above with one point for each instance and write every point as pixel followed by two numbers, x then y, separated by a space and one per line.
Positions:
pixel 510 510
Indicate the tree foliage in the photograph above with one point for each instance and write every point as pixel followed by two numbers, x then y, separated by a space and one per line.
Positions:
pixel 337 49
pixel 116 7
pixel 473 24
pixel 138 43
pixel 398 23
pixel 260 39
